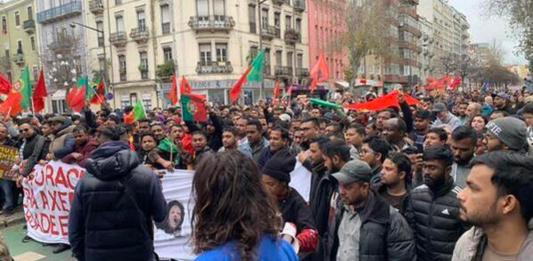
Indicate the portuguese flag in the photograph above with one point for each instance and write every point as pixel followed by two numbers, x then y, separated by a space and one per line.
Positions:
pixel 254 73
pixel 193 107
pixel 25 88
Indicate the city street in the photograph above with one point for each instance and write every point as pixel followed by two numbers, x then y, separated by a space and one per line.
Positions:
pixel 31 251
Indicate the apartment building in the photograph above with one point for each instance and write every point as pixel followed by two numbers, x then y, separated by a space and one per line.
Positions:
pixel 18 43
pixel 211 42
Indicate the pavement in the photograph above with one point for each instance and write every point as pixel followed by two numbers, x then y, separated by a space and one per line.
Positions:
pixel 12 230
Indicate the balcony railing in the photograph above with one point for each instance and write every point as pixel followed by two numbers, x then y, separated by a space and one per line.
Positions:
pixel 29 26
pixel 302 72
pixel 19 59
pixel 411 11
pixel 213 67
pixel 140 35
pixel 60 12
pixel 283 71
pixel 409 45
pixel 165 27
pixel 118 39
pixel 292 36
pixel 409 28
pixel 268 32
pixel 278 2
pixel 96 7
pixel 211 23
pixel 299 5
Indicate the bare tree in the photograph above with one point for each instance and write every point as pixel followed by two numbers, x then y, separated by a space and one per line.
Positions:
pixel 520 14
pixel 63 61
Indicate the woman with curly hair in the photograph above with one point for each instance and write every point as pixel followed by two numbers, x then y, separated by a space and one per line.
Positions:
pixel 234 218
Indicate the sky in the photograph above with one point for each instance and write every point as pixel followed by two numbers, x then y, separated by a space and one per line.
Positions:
pixel 487 29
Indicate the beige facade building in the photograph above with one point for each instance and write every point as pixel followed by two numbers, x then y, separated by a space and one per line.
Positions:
pixel 450 33
pixel 18 42
pixel 211 42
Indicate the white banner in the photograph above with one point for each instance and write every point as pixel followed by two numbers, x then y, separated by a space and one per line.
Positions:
pixel 173 235
pixel 301 180
pixel 47 198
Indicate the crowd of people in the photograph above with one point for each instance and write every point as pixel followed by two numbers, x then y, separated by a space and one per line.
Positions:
pixel 450 178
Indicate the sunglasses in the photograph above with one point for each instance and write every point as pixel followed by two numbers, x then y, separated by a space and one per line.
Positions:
pixel 24 130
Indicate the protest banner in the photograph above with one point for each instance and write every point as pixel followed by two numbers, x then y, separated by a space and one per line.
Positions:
pixel 8 156
pixel 172 237
pixel 301 180
pixel 47 198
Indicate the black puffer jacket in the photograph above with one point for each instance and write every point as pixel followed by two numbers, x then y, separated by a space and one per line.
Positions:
pixel 434 217
pixel 384 234
pixel 105 222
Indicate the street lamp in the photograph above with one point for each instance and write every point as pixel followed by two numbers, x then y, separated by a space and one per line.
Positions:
pixel 73 25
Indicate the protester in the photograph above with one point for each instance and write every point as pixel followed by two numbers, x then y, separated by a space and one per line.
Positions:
pixel 374 152
pixel 445 119
pixel 435 137
pixel 115 204
pixel 395 181
pixel 498 202
pixel 433 209
pixel 226 187
pixel 279 140
pixel 463 145
pixel 365 221
pixel 256 141
pixel 508 134
pixel 354 136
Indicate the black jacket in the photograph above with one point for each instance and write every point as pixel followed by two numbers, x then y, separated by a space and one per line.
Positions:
pixel 35 149
pixel 384 234
pixel 434 217
pixel 381 190
pixel 294 209
pixel 113 207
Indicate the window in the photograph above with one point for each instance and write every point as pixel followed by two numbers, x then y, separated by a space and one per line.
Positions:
pixel 267 61
pixel 19 46
pixel 264 18
pixel 143 65
pixel 32 42
pixel 277 20
pixel 100 27
pixel 298 25
pixel 30 13
pixel 101 63
pixel 219 9
pixel 253 53
pixel 251 18
pixel 17 18
pixel 202 8
pixel 205 54
pixel 122 67
pixel 4 25
pixel 118 2
pixel 119 20
pixel 147 100
pixel 167 54
pixel 165 19
pixel 288 22
pixel 299 60
pixel 222 52
pixel 278 58
pixel 289 59
pixel 141 20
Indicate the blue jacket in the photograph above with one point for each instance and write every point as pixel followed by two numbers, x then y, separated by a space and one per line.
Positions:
pixel 270 249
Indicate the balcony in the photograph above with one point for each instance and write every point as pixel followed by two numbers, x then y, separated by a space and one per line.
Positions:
pixel 410 62
pixel 299 5
pixel 211 23
pixel 278 2
pixel 302 72
pixel 283 71
pixel 140 35
pixel 60 46
pixel 60 12
pixel 409 45
pixel 118 39
pixel 292 36
pixel 19 59
pixel 29 26
pixel 410 2
pixel 268 32
pixel 212 67
pixel 409 28
pixel 96 7
pixel 411 11
pixel 394 78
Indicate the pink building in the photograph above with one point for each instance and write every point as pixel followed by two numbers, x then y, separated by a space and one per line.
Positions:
pixel 326 24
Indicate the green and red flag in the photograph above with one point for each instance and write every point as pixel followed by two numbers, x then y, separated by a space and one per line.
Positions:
pixel 193 107
pixel 99 94
pixel 76 98
pixel 254 73
pixel 39 94
pixel 139 112
pixel 25 88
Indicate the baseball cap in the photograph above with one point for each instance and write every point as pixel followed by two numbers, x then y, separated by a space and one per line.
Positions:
pixel 352 171
pixel 439 107
pixel 503 95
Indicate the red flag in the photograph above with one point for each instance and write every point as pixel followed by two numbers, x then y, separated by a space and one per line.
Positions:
pixel 129 118
pixel 76 99
pixel 173 94
pixel 11 106
pixel 39 93
pixel 383 102
pixel 99 97
pixel 185 87
pixel 319 73
pixel 236 90
pixel 277 89
pixel 456 83
pixel 5 85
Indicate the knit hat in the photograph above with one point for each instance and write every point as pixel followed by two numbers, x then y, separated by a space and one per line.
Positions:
pixel 280 166
pixel 510 131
